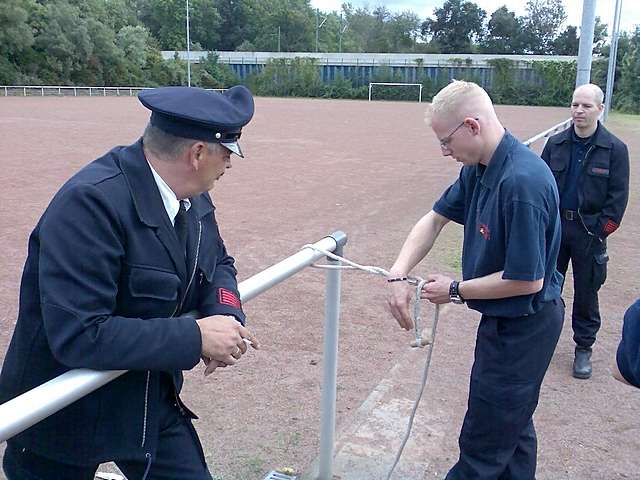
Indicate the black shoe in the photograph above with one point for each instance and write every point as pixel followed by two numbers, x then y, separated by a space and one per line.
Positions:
pixel 582 363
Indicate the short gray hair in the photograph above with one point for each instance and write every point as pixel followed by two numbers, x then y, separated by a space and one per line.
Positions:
pixel 167 146
pixel 595 90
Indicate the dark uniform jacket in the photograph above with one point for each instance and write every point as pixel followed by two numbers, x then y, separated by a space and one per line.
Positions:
pixel 603 182
pixel 104 277
pixel 628 355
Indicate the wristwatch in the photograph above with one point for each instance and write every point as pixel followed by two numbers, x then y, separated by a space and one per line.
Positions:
pixel 454 293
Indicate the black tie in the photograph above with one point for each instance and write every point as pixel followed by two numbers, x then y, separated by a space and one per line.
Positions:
pixel 180 224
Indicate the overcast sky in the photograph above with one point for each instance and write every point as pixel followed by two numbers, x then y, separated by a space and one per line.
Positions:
pixel 424 8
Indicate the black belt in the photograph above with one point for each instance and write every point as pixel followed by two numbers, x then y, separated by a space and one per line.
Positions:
pixel 570 215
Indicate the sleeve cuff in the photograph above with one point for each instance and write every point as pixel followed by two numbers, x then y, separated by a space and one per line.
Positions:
pixel 191 341
pixel 218 309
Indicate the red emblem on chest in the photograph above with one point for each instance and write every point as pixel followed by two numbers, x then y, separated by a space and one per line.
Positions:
pixel 484 231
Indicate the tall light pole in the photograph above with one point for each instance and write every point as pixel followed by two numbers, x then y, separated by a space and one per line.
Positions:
pixel 318 26
pixel 585 50
pixel 342 29
pixel 613 55
pixel 188 49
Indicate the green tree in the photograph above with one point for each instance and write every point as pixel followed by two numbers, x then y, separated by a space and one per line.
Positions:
pixel 359 36
pixel 503 33
pixel 294 18
pixel 567 42
pixel 167 22
pixel 237 23
pixel 16 37
pixel 541 24
pixel 627 97
pixel 211 74
pixel 64 44
pixel 457 26
pixel 403 29
pixel 599 36
pixel 106 62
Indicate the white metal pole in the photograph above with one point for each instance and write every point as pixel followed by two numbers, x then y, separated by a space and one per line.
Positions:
pixel 613 56
pixel 29 408
pixel 330 370
pixel 188 49
pixel 585 49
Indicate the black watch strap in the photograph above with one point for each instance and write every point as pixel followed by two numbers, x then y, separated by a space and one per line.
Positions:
pixel 454 292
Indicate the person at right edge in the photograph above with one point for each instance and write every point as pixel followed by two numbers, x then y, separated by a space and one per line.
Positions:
pixel 591 168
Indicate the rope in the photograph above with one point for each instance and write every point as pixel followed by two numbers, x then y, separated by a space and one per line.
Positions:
pixel 419 340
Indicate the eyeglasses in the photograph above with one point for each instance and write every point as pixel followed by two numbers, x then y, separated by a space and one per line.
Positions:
pixel 444 142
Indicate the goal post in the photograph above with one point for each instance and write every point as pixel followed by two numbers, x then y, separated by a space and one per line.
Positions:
pixel 371 84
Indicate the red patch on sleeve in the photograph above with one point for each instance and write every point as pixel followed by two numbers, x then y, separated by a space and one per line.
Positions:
pixel 227 297
pixel 610 227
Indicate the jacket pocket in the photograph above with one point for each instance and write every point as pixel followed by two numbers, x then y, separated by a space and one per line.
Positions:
pixel 557 163
pixel 152 283
pixel 148 292
pixel 600 261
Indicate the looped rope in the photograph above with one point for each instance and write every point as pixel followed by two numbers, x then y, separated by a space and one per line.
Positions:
pixel 419 341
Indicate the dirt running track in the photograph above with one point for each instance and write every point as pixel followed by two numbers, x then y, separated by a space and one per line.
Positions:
pixel 312 167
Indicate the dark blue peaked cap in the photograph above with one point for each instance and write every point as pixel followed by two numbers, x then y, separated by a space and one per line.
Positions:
pixel 191 112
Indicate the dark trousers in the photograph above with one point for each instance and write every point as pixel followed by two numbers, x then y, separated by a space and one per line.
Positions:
pixel 588 261
pixel 179 456
pixel 498 439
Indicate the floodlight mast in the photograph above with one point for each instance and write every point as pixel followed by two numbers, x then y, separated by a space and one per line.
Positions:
pixel 342 30
pixel 318 26
pixel 613 56
pixel 188 50
pixel 585 49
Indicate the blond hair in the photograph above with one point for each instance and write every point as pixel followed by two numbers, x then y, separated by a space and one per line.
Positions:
pixel 459 99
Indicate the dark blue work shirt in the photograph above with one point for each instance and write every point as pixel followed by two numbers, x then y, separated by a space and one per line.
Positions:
pixel 569 196
pixel 509 210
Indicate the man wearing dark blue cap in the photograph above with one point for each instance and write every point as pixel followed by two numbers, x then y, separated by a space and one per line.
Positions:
pixel 125 249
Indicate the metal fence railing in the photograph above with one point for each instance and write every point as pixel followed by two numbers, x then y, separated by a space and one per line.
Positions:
pixel 35 405
pixel 75 91
pixel 548 132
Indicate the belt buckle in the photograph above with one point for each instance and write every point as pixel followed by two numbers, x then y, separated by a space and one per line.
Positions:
pixel 569 215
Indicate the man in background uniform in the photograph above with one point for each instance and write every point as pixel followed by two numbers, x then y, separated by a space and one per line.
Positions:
pixel 125 248
pixel 591 168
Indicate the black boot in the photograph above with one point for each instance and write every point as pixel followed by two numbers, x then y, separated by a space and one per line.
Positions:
pixel 582 363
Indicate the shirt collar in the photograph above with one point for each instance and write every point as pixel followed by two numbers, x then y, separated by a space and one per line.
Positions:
pixel 491 173
pixel 169 199
pixel 585 141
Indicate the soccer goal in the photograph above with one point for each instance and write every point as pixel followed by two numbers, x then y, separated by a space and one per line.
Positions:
pixel 371 84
